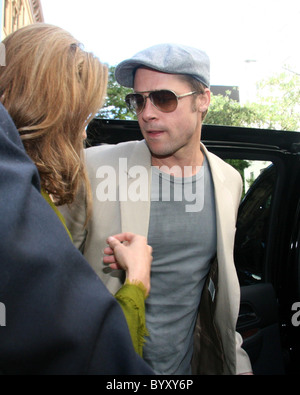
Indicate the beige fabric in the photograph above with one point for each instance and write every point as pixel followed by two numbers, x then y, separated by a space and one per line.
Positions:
pixel 112 217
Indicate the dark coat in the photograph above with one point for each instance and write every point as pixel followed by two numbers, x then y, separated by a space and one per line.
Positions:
pixel 59 317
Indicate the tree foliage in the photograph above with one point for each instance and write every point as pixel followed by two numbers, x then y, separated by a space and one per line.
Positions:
pixel 225 111
pixel 114 106
pixel 280 96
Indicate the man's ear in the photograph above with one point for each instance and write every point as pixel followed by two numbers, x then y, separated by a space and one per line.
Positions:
pixel 204 100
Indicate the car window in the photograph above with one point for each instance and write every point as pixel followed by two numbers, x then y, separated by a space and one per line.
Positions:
pixel 253 221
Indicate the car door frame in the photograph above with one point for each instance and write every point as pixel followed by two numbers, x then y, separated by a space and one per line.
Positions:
pixel 264 319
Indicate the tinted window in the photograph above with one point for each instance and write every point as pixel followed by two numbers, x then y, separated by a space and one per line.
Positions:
pixel 252 224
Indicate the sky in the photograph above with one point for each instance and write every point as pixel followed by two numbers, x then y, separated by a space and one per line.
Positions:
pixel 245 39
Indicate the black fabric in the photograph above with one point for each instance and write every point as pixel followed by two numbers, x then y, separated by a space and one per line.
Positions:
pixel 60 318
pixel 208 358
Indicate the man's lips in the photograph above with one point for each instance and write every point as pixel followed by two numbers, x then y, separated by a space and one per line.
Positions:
pixel 155 133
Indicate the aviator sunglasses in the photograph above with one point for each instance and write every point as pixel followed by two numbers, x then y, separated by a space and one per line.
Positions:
pixel 164 100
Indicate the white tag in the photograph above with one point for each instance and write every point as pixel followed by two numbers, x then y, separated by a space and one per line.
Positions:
pixel 212 289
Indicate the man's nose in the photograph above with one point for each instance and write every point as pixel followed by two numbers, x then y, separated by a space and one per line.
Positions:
pixel 149 111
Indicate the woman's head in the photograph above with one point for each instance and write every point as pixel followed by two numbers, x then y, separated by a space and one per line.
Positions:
pixel 51 88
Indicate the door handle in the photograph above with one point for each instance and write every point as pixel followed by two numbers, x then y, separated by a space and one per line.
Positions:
pixel 245 318
pixel 247 315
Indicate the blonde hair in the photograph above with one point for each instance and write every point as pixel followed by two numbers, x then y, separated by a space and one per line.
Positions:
pixel 51 88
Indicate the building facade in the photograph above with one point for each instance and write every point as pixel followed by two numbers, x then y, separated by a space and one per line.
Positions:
pixel 18 13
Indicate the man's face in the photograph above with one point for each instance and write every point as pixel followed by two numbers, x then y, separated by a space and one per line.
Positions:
pixel 175 133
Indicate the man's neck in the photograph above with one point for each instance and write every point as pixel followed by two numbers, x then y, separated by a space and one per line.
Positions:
pixel 180 166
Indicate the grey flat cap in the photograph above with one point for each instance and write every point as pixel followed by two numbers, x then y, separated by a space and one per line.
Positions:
pixel 167 58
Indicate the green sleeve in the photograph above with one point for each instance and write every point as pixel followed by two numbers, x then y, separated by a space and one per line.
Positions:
pixel 131 297
pixel 57 212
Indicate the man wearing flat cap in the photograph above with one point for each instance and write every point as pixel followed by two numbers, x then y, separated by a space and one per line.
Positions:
pixel 187 208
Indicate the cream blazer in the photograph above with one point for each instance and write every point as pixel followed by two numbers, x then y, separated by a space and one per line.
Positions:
pixel 114 216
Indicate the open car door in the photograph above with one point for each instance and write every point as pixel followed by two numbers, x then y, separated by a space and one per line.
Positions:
pixel 264 236
pixel 258 321
pixel 258 325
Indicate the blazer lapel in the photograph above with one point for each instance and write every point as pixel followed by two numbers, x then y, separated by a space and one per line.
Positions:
pixel 135 190
pixel 226 210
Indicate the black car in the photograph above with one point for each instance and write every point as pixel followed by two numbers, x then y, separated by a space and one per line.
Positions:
pixel 267 246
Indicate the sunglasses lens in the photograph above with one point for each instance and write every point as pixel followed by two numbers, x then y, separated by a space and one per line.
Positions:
pixel 135 102
pixel 164 100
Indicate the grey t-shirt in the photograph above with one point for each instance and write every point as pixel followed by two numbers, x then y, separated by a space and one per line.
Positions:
pixel 182 233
